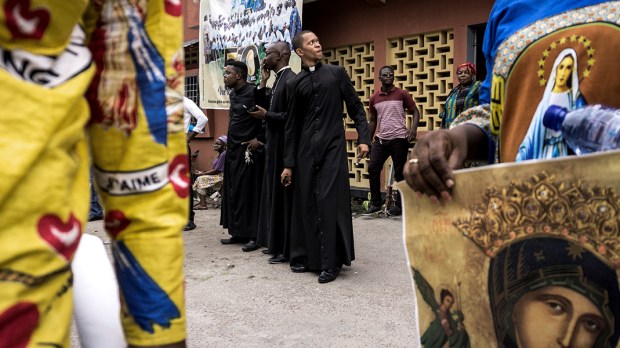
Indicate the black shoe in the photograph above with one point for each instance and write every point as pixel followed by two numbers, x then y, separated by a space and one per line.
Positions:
pixel 372 209
pixel 329 275
pixel 298 268
pixel 265 251
pixel 95 217
pixel 395 211
pixel 190 226
pixel 250 246
pixel 278 259
pixel 232 240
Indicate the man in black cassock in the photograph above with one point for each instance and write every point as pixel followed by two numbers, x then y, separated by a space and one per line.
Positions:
pixel 243 170
pixel 316 161
pixel 276 201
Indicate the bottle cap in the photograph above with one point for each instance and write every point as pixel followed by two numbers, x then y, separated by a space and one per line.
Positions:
pixel 554 116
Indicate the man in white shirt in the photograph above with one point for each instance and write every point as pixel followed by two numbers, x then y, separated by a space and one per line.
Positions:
pixel 192 110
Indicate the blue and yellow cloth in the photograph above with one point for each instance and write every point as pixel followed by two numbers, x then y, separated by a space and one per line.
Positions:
pixel 98 81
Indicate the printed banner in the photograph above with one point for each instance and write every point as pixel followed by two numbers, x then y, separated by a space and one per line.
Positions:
pixel 525 255
pixel 241 29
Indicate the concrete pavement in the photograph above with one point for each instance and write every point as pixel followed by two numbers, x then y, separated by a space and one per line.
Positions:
pixel 238 299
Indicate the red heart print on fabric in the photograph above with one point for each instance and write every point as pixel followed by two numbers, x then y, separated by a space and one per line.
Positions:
pixel 178 173
pixel 115 222
pixel 173 7
pixel 63 237
pixel 17 325
pixel 24 22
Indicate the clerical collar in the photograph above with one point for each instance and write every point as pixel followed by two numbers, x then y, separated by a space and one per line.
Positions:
pixel 313 68
pixel 281 70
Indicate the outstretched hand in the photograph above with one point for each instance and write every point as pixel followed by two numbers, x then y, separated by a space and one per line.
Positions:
pixel 429 170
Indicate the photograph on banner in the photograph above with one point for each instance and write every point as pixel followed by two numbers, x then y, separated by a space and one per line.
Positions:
pixel 524 255
pixel 241 30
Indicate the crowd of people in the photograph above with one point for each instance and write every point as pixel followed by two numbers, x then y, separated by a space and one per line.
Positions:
pixel 286 183
pixel 480 123
pixel 301 144
pixel 251 24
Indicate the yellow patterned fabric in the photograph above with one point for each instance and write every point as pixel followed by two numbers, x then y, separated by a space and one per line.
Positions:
pixel 118 64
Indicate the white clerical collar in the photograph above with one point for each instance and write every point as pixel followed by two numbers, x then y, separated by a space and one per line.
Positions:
pixel 286 67
pixel 312 68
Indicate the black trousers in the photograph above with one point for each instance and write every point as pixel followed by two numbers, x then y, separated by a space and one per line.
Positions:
pixel 379 153
pixel 191 184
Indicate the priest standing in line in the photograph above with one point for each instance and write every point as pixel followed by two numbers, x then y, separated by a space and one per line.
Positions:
pixel 244 161
pixel 315 161
pixel 276 202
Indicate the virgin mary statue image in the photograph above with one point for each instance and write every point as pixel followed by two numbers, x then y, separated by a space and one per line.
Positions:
pixel 562 89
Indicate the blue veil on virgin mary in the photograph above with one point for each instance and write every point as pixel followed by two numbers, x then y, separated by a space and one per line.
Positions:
pixel 540 141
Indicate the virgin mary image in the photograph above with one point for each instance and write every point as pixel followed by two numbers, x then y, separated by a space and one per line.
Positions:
pixel 554 253
pixel 562 89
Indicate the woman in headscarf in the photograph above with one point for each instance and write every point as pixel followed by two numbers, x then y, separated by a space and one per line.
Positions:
pixel 210 181
pixel 562 90
pixel 463 96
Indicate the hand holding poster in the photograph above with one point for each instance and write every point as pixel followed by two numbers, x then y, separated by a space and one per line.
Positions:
pixel 240 30
pixel 525 255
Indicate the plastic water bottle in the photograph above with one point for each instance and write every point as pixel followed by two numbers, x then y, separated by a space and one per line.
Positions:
pixel 589 129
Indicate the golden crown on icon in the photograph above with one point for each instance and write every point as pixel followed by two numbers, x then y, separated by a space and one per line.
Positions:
pixel 544 205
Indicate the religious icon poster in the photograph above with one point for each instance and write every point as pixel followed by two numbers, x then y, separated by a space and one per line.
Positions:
pixel 525 255
pixel 241 30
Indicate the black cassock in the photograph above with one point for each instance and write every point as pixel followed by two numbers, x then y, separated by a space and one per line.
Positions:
pixel 242 180
pixel 276 202
pixel 315 146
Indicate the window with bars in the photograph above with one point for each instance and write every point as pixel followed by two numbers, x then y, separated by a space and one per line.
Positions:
pixel 191 88
pixel 191 91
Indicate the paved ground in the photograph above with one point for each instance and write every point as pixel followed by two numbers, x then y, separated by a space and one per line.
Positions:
pixel 238 299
